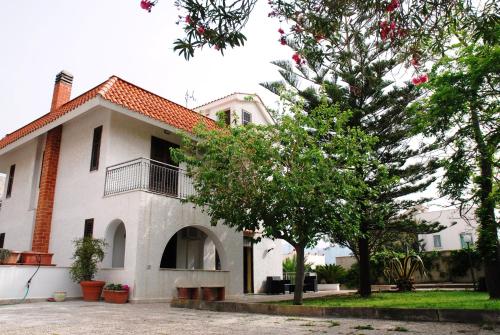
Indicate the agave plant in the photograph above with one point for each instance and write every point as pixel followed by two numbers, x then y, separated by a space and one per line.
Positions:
pixel 402 271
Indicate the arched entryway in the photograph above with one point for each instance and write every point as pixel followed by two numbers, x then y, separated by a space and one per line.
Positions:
pixel 193 248
pixel 116 236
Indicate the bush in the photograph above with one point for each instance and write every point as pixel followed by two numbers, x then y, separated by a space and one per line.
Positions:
pixel 460 263
pixel 88 252
pixel 351 279
pixel 330 274
pixel 290 264
pixel 4 254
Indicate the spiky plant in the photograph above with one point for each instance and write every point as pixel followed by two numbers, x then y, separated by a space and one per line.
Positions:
pixel 402 271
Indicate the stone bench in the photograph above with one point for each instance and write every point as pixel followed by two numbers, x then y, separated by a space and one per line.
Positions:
pixel 188 292
pixel 213 293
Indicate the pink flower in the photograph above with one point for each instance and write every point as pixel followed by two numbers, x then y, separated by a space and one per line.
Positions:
pixel 296 57
pixel 201 30
pixel 217 47
pixel 392 6
pixel 281 31
pixel 421 79
pixel 188 19
pixel 283 40
pixel 146 5
pixel 125 287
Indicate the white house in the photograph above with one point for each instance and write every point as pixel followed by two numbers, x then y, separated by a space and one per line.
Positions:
pixel 100 165
pixel 460 229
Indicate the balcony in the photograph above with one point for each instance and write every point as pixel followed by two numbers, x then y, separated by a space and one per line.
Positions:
pixel 143 174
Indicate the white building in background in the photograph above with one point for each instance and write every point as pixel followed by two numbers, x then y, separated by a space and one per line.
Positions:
pixel 313 258
pixel 460 229
pixel 99 165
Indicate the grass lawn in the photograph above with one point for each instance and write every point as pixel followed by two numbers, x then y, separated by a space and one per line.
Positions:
pixel 419 299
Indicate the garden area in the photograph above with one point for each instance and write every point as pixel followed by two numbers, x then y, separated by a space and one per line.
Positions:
pixel 417 299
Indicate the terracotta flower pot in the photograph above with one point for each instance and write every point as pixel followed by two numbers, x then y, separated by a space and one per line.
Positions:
pixel 92 289
pixel 13 258
pixel 115 297
pixel 34 258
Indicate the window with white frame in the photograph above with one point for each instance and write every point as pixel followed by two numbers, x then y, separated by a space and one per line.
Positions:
pixel 246 117
pixel 437 241
pixel 466 240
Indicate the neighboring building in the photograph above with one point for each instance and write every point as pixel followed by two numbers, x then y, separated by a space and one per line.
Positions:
pixel 99 165
pixel 460 229
pixel 2 183
pixel 312 258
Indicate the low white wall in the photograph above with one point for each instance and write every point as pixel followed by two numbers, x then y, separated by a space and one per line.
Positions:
pixel 46 281
pixel 161 285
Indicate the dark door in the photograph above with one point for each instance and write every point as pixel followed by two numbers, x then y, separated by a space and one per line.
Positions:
pixel 163 172
pixel 247 267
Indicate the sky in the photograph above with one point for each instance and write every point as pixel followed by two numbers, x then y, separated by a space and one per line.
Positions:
pixel 94 39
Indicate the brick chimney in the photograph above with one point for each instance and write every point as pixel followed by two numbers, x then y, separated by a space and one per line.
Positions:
pixel 48 177
pixel 62 90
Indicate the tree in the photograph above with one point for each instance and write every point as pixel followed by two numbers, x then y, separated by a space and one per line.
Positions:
pixel 219 23
pixel 463 117
pixel 356 72
pixel 292 181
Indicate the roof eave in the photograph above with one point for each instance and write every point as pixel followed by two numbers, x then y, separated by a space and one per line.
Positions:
pixel 88 105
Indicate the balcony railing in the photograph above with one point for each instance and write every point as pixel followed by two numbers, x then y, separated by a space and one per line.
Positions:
pixel 144 174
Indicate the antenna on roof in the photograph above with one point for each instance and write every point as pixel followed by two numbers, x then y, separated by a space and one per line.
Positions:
pixel 188 97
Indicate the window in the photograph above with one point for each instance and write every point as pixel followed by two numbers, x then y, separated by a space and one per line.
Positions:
pixel 96 148
pixel 246 117
pixel 89 228
pixel 226 115
pixel 466 240
pixel 2 240
pixel 437 241
pixel 11 180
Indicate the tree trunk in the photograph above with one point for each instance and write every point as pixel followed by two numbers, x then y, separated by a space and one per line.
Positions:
pixel 488 233
pixel 299 276
pixel 364 262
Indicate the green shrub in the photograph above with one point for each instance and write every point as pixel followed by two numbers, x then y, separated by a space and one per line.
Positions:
pixel 88 252
pixel 4 254
pixel 460 263
pixel 290 264
pixel 330 274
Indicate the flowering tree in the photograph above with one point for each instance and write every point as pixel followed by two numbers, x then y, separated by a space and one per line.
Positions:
pixel 293 181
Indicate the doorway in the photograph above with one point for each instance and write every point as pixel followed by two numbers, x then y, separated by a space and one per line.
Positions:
pixel 247 265
pixel 163 171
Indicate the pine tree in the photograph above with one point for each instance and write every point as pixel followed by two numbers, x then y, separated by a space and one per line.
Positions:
pixel 355 72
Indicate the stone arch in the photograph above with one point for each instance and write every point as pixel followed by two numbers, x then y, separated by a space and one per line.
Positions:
pixel 115 236
pixel 202 250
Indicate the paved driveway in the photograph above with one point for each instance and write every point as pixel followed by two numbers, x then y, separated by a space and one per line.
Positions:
pixel 77 317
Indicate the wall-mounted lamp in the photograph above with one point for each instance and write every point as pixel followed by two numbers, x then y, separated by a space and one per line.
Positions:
pixel 267 251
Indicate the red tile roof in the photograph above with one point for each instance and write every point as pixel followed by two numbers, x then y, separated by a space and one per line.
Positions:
pixel 127 95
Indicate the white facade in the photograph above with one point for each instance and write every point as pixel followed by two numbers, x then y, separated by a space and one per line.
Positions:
pixel 455 235
pixel 136 224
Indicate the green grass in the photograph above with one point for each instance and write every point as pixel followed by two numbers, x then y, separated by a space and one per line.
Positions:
pixel 420 299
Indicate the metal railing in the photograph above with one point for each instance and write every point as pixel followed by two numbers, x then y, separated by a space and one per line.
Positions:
pixel 148 175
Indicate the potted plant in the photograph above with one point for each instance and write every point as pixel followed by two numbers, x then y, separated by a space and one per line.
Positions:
pixel 9 257
pixel 116 293
pixel 88 253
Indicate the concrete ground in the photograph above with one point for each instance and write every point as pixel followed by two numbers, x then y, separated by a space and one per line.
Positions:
pixel 78 317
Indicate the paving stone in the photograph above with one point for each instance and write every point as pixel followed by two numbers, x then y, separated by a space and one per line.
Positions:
pixel 78 317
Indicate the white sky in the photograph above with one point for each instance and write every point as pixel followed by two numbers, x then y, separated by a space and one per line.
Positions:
pixel 94 39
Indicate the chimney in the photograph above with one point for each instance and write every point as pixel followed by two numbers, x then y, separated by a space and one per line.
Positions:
pixel 48 175
pixel 62 90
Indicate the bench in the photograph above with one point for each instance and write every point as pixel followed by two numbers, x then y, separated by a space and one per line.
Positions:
pixel 213 293
pixel 188 292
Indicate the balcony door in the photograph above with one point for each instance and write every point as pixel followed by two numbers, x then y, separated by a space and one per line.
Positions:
pixel 163 172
